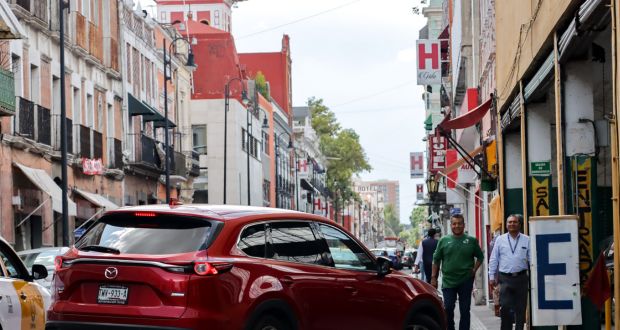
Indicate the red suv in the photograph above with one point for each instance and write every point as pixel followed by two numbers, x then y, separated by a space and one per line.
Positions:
pixel 231 267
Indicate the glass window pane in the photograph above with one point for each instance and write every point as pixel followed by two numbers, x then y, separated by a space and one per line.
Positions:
pixel 345 252
pixel 295 241
pixel 252 241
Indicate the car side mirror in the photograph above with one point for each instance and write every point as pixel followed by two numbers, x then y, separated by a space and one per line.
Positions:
pixel 383 266
pixel 39 272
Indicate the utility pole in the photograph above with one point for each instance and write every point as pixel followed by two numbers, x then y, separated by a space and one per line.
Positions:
pixel 63 127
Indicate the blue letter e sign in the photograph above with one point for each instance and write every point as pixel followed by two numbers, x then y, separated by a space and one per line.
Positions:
pixel 545 268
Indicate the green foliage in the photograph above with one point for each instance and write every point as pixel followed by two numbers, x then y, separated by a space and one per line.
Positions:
pixel 261 85
pixel 418 216
pixel 410 237
pixel 342 148
pixel 392 221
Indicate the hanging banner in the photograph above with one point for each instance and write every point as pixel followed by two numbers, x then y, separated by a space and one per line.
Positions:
pixel 416 161
pixel 438 145
pixel 92 166
pixel 582 177
pixel 554 266
pixel 419 190
pixel 540 195
pixel 429 62
pixel 303 169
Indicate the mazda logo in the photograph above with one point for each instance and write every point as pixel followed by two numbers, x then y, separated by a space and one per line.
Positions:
pixel 111 273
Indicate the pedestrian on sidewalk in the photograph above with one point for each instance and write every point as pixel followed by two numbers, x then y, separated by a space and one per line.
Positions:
pixel 508 268
pixel 455 257
pixel 425 255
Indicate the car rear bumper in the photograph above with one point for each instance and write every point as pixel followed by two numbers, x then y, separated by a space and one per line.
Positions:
pixel 66 325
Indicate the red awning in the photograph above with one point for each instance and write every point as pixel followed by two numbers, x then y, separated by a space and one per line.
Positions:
pixel 468 119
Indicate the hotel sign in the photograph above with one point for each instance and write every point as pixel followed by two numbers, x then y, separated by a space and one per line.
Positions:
pixel 437 153
pixel 429 62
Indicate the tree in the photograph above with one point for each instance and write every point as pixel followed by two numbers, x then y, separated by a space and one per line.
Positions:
pixel 343 149
pixel 392 221
pixel 418 217
pixel 261 85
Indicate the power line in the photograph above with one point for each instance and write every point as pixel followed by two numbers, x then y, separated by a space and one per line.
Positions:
pixel 299 20
pixel 376 109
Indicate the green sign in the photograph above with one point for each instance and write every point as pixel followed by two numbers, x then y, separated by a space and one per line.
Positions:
pixel 540 168
pixel 7 93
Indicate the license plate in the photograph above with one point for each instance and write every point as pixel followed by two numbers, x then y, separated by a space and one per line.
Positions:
pixel 112 294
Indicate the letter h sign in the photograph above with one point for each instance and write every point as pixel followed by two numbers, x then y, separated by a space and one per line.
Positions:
pixel 429 62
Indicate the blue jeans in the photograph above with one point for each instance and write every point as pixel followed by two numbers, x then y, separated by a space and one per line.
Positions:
pixel 449 300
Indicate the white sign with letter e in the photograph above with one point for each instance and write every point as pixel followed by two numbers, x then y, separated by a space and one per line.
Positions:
pixel 554 265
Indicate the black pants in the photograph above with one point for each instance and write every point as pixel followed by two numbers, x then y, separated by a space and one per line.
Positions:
pixel 428 271
pixel 513 292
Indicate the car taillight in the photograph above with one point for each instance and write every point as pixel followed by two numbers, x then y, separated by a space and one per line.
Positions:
pixel 204 269
pixel 145 214
pixel 58 263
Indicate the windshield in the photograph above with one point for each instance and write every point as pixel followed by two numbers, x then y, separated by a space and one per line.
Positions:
pixel 157 234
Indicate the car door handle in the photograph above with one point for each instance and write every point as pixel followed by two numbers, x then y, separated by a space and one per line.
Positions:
pixel 286 280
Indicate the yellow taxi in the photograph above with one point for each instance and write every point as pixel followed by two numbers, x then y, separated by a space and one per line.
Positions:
pixel 23 302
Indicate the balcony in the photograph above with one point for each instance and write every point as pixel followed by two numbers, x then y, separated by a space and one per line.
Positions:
pixel 26 118
pixel 116 159
pixel 194 169
pixel 84 134
pixel 97 145
pixel 44 125
pixel 146 159
pixel 180 165
pixel 7 93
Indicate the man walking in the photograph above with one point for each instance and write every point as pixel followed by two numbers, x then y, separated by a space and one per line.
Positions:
pixel 455 257
pixel 510 258
pixel 425 255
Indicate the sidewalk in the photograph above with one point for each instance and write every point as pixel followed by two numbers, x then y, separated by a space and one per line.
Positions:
pixel 482 318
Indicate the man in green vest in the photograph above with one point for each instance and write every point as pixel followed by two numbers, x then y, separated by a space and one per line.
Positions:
pixel 455 257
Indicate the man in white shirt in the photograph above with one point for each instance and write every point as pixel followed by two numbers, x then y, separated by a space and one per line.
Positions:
pixel 508 266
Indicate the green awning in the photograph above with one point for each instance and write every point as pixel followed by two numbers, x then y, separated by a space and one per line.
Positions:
pixel 428 123
pixel 162 123
pixel 137 108
pixel 157 118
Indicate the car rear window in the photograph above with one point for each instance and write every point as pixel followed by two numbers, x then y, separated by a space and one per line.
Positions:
pixel 148 233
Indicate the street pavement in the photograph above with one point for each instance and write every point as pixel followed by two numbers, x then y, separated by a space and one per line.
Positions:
pixel 482 317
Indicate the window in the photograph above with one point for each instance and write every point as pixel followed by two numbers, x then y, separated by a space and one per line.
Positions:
pixel 244 137
pixel 86 9
pixel 89 111
pixel 253 241
pixel 162 234
pixel 265 143
pixel 295 242
pixel 199 138
pixel 77 106
pixel 216 20
pixel 128 75
pixel 345 252
pixel 34 84
pixel 95 16
pixel 13 268
pixel 99 113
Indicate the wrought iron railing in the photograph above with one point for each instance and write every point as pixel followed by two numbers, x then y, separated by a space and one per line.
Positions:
pixel 97 145
pixel 44 125
pixel 149 153
pixel 26 118
pixel 195 161
pixel 180 166
pixel 85 141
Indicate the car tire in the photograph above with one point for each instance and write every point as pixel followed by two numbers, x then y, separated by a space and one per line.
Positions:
pixel 270 322
pixel 423 322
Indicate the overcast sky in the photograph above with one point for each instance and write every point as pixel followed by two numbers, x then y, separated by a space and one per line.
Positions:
pixel 359 57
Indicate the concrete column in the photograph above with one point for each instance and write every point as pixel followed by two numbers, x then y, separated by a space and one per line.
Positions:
pixel 539 141
pixel 578 105
pixel 513 192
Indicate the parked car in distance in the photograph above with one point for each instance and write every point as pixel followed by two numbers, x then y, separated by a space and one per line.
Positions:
pixel 43 256
pixel 24 302
pixel 409 258
pixel 231 267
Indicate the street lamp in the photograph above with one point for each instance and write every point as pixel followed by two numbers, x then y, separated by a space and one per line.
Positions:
pixel 248 126
pixel 168 77
pixel 245 101
pixel 432 185
pixel 290 147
